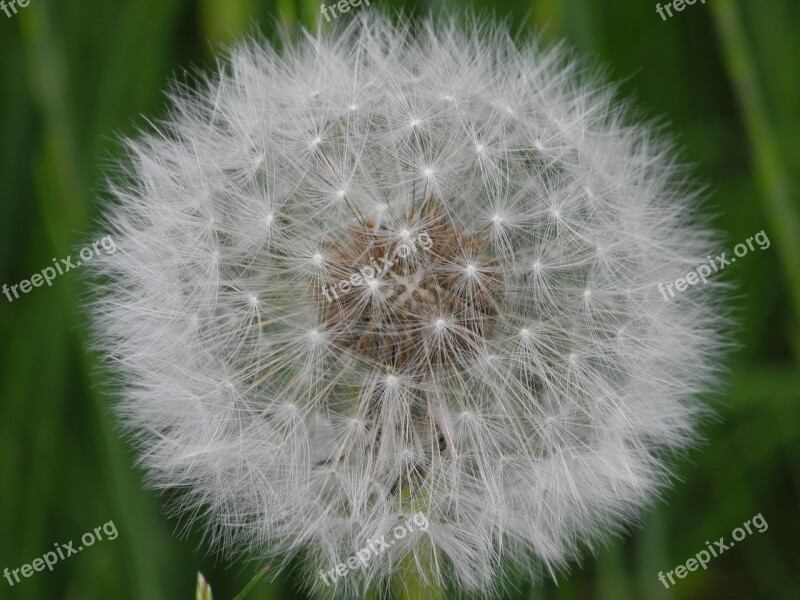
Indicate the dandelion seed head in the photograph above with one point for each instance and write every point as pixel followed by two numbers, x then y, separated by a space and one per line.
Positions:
pixel 479 339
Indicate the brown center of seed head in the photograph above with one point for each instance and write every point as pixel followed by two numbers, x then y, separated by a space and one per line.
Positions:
pixel 418 300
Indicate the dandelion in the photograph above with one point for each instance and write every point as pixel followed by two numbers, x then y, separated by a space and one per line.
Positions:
pixel 520 381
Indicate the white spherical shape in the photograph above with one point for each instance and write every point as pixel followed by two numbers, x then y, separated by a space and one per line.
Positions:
pixel 381 273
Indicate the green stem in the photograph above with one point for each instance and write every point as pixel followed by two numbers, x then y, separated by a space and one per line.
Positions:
pixel 410 584
pixel 770 170
pixel 256 578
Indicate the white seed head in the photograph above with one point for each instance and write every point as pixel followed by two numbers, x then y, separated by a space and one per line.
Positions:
pixel 480 376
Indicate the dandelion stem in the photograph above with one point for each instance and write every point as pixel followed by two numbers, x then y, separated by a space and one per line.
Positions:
pixel 256 578
pixel 412 584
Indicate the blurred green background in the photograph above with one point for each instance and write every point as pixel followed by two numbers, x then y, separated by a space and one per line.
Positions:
pixel 76 74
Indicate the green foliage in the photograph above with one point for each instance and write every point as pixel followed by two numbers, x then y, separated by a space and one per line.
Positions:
pixel 76 74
